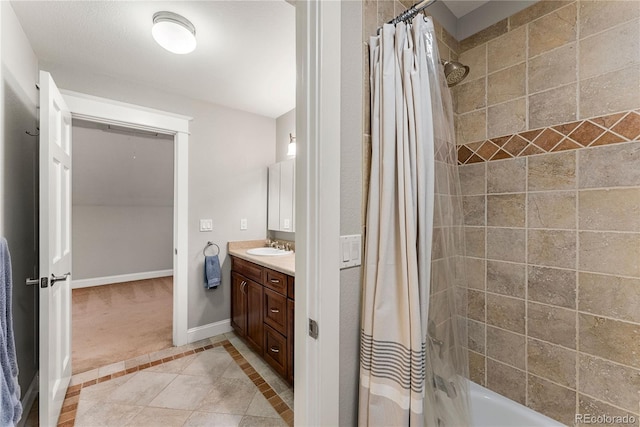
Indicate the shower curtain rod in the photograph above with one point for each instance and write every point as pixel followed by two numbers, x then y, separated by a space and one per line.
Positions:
pixel 412 11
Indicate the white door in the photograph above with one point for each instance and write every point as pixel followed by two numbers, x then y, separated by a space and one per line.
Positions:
pixel 55 250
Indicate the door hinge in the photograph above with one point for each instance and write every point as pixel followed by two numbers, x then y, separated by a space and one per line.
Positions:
pixel 313 329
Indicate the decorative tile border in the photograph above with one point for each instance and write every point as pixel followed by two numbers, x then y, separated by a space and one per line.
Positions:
pixel 71 399
pixel 604 130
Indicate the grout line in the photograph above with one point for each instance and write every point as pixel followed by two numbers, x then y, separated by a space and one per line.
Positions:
pixel 526 268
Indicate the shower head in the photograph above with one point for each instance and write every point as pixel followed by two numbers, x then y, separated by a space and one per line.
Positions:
pixel 455 72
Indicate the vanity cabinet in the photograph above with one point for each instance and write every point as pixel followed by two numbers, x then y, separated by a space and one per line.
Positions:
pixel 262 313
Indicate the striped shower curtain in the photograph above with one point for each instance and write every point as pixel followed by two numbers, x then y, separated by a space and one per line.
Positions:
pixel 409 124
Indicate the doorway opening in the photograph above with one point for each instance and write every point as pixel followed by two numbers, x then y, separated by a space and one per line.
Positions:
pixel 122 229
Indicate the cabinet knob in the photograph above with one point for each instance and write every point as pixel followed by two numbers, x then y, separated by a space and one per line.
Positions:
pixel 275 350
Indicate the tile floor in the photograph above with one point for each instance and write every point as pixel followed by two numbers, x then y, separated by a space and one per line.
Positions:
pixel 215 382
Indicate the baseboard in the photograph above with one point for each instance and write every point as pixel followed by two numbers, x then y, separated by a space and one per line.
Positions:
pixel 28 398
pixel 98 281
pixel 207 331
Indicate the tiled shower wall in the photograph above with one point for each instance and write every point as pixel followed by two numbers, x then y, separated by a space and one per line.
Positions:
pixel 549 128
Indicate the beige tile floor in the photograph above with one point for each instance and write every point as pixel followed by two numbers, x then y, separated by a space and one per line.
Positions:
pixel 203 389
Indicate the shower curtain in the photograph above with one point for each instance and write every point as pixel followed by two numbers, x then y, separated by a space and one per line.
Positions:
pixel 413 360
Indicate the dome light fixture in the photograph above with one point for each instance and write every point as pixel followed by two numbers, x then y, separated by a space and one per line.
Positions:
pixel 291 149
pixel 174 32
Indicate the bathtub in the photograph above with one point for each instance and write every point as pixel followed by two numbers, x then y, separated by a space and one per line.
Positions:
pixel 489 409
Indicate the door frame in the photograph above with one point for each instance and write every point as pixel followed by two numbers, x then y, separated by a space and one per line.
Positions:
pixel 102 110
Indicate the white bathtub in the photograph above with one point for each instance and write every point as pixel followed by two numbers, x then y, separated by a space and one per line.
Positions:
pixel 489 409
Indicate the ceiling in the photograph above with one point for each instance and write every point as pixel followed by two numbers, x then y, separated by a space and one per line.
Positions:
pixel 461 7
pixel 245 57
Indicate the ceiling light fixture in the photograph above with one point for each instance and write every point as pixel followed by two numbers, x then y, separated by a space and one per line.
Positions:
pixel 291 149
pixel 174 32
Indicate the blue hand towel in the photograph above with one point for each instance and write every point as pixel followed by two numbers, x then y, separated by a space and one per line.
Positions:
pixel 10 405
pixel 212 273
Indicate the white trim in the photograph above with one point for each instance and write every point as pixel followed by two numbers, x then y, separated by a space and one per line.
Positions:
pixel 317 374
pixel 108 280
pixel 207 331
pixel 28 399
pixel 104 110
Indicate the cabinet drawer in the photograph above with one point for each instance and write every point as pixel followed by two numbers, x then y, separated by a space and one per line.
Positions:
pixel 276 281
pixel 275 311
pixel 275 350
pixel 291 284
pixel 248 269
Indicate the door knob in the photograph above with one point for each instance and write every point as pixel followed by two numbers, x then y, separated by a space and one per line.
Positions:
pixel 55 278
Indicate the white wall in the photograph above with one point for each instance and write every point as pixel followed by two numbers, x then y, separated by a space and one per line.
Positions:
pixel 122 202
pixel 285 124
pixel 18 181
pixel 229 151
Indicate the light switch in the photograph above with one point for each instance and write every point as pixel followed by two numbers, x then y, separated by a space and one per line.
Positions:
pixel 206 225
pixel 350 251
pixel 243 223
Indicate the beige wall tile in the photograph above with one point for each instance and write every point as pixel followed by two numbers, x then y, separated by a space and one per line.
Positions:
pixel 507 118
pixel 507 381
pixel 617 209
pixel 473 178
pixel 613 253
pixel 535 11
pixel 507 84
pixel 475 273
pixel 506 278
pixel 473 208
pixel 553 30
pixel 370 19
pixel 598 15
pixel 483 36
pixel 610 339
pixel 386 11
pixel 610 296
pixel 555 171
pixel 553 107
pixel 610 166
pixel 613 383
pixel 506 244
pixel 476 368
pixel 475 306
pixel 506 210
pixel 552 69
pixel 506 312
pixel 611 50
pixel 551 400
pixel 506 347
pixel 552 324
pixel 552 210
pixel 507 176
pixel 589 405
pixel 470 96
pixel 552 286
pixel 552 248
pixel 476 59
pixel 476 331
pixel 552 362
pixel 506 50
pixel 610 93
pixel 471 127
pixel 474 240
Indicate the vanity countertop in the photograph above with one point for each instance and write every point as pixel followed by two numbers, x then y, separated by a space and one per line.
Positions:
pixel 284 263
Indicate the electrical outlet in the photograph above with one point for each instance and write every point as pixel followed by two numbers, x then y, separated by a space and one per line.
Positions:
pixel 243 223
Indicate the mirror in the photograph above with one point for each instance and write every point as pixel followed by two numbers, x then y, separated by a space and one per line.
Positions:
pixel 281 205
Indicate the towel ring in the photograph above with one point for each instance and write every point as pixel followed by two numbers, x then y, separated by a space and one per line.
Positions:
pixel 208 245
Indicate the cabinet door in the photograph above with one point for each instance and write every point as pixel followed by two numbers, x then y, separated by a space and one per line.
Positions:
pixel 286 195
pixel 273 204
pixel 255 296
pixel 238 304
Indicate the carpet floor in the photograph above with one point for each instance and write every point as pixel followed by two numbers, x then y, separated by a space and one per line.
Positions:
pixel 113 323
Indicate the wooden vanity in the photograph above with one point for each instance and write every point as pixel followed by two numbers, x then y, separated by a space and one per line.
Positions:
pixel 262 311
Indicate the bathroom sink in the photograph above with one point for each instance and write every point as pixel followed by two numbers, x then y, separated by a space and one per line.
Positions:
pixel 268 252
